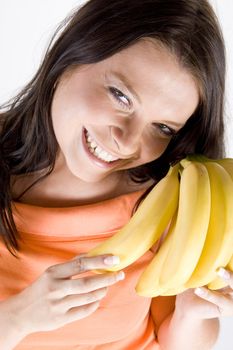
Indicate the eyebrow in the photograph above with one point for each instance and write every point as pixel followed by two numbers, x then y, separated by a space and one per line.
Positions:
pixel 126 82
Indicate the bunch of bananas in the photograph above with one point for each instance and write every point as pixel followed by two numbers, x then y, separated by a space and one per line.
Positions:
pixel 194 202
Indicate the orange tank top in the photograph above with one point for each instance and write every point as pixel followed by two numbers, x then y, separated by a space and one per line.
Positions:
pixel 49 236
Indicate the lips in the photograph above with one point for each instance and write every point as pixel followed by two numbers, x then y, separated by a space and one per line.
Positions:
pixel 100 163
pixel 97 150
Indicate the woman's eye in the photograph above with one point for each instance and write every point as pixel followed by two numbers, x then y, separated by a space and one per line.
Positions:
pixel 165 130
pixel 121 98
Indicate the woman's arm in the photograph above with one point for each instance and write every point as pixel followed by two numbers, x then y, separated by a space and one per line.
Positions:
pixel 9 338
pixel 182 333
pixel 10 332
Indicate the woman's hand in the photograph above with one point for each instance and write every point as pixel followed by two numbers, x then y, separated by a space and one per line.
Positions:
pixel 56 299
pixel 199 315
pixel 208 304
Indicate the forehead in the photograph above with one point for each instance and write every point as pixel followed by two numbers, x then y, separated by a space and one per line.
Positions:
pixel 166 90
pixel 157 77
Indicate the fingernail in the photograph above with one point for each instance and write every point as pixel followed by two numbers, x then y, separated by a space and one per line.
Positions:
pixel 200 291
pixel 120 275
pixel 223 273
pixel 112 260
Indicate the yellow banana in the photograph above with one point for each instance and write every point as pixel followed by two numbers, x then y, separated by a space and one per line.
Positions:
pixel 146 225
pixel 174 291
pixel 217 283
pixel 148 283
pixel 227 164
pixel 191 226
pixel 218 246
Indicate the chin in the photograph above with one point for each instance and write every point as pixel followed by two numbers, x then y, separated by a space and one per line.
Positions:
pixel 87 176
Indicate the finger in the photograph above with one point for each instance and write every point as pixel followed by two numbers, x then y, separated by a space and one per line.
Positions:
pixel 223 302
pixel 71 301
pixel 89 284
pixel 77 313
pixel 225 290
pixel 79 265
pixel 226 275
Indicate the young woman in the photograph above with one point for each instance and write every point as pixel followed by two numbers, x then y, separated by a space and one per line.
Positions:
pixel 127 88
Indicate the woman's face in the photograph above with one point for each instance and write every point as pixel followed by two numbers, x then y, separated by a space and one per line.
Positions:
pixel 128 105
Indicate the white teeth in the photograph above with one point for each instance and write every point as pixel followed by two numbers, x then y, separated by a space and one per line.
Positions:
pixel 97 150
pixel 93 144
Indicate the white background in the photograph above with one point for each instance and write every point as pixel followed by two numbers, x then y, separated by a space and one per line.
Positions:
pixel 25 29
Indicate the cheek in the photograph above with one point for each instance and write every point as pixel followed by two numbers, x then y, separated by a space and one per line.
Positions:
pixel 154 148
pixel 64 122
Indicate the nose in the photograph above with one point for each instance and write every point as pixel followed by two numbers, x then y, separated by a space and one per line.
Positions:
pixel 128 138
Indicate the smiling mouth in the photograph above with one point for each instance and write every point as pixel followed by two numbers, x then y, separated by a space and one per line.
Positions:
pixel 97 151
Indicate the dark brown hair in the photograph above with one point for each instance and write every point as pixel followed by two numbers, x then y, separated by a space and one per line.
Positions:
pixel 95 31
